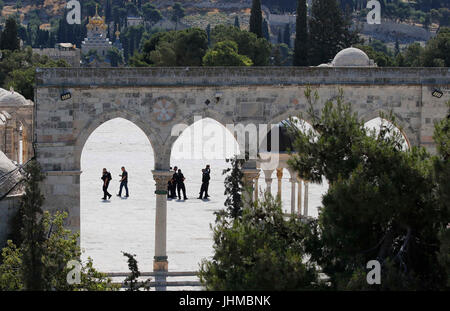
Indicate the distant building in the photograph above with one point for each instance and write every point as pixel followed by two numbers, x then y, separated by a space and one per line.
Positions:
pixel 96 39
pixel 134 21
pixel 65 51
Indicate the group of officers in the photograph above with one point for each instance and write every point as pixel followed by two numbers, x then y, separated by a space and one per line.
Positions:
pixel 106 178
pixel 176 184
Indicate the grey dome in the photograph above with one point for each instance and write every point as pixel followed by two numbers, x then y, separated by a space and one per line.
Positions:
pixel 8 98
pixel 351 57
pixel 10 176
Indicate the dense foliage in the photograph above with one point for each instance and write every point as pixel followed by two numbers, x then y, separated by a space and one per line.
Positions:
pixel 38 261
pixel 18 70
pixel 259 251
pixel 383 202
pixel 436 52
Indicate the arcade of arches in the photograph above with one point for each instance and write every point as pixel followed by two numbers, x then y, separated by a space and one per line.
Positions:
pixel 157 99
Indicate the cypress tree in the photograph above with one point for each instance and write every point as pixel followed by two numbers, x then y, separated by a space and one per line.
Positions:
pixel 397 47
pixel 33 235
pixel 9 39
pixel 208 33
pixel 265 30
pixel 328 31
pixel 234 187
pixel 280 36
pixel 301 37
pixel 236 22
pixel 256 18
pixel 287 35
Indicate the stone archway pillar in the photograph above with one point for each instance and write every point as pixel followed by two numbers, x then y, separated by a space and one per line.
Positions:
pixel 160 262
pixel 256 188
pixel 268 179
pixel 305 204
pixel 293 182
pixel 250 174
pixel 299 197
pixel 279 177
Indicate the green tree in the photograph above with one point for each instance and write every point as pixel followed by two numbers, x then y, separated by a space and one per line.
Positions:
pixel 329 31
pixel 225 53
pixel 413 55
pixel 18 70
pixel 40 262
pixel 437 50
pixel 115 57
pixel 382 59
pixel 256 18
pixel 257 49
pixel 132 280
pixel 33 230
pixel 236 22
pixel 301 36
pixel 151 13
pixel 178 12
pixel 9 39
pixel 234 187
pixel 259 251
pixel 287 35
pixel 381 202
pixel 265 30
pixel 175 48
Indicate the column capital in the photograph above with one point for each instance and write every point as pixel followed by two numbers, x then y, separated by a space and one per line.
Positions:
pixel 279 173
pixel 161 178
pixel 250 174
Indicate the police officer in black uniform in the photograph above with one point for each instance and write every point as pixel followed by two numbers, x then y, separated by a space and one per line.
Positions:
pixel 106 177
pixel 205 182
pixel 173 183
pixel 180 184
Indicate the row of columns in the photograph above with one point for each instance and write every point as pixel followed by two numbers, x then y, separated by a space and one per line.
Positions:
pixel 250 179
pixel 296 182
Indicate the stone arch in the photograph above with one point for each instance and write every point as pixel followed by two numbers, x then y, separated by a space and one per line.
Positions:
pixel 94 123
pixel 403 126
pixel 190 120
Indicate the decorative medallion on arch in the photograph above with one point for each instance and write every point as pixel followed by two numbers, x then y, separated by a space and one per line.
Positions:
pixel 163 109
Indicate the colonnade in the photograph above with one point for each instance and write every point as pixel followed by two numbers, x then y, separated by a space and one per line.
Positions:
pixel 250 181
pixel 296 190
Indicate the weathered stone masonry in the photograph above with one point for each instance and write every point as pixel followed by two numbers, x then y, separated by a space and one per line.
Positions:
pixel 155 99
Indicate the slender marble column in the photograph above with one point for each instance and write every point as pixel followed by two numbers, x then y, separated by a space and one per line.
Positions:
pixel 292 180
pixel 256 188
pixel 249 177
pixel 299 196
pixel 160 263
pixel 279 176
pixel 305 204
pixel 268 179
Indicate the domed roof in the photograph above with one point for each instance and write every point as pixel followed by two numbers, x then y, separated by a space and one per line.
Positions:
pixel 351 57
pixel 11 98
pixel 10 176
